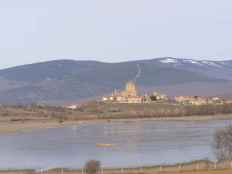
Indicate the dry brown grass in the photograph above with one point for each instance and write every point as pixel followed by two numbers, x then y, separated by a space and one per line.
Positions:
pixel 98 110
pixel 220 171
pixel 225 171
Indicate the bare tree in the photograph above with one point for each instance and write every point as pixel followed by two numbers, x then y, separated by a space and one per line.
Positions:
pixel 92 167
pixel 223 144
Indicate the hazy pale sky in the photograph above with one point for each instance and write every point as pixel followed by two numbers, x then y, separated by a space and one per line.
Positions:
pixel 113 30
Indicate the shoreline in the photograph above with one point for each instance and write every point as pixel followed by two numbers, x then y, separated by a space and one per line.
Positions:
pixel 196 166
pixel 31 125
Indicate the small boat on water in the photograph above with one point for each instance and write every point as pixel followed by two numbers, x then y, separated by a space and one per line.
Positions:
pixel 105 145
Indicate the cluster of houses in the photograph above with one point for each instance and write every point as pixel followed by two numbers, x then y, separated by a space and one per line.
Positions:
pixel 130 95
pixel 199 100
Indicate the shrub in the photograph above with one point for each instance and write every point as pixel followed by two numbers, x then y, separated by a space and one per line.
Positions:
pixel 92 167
pixel 223 144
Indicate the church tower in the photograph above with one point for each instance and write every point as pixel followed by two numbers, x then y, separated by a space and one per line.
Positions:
pixel 131 89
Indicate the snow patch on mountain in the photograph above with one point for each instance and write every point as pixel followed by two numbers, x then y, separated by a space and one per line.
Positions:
pixel 202 63
pixel 211 63
pixel 192 61
pixel 168 60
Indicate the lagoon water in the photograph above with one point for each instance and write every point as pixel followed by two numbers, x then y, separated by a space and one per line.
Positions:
pixel 136 143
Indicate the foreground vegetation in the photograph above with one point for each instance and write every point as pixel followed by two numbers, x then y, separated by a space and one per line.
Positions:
pixel 223 144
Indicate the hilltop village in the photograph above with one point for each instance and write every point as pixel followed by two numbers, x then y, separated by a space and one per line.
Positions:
pixel 131 95
pixel 121 104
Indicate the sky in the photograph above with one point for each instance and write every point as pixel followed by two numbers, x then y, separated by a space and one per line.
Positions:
pixel 113 30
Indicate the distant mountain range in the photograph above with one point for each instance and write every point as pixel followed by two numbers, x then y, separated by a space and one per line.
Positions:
pixel 65 81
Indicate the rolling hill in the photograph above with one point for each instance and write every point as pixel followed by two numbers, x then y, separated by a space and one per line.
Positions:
pixel 64 81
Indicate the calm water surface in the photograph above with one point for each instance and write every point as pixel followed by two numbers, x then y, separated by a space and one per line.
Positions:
pixel 136 143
